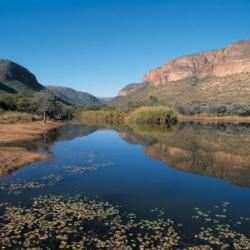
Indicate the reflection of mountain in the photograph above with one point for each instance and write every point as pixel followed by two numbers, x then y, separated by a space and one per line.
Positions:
pixel 214 150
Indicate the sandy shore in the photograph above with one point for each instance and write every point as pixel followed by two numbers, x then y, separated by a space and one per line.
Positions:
pixel 12 158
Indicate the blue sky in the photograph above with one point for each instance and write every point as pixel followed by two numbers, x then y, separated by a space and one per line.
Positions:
pixel 98 46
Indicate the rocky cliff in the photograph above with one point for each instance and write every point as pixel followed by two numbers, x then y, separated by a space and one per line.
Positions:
pixel 218 76
pixel 233 59
pixel 129 89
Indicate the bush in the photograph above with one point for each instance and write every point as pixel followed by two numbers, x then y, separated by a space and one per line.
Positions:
pixel 153 115
pixel 10 117
pixel 216 109
pixel 108 116
pixel 7 102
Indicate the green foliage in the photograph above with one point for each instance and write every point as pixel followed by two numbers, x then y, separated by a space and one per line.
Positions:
pixel 7 102
pixel 109 116
pixel 197 108
pixel 35 103
pixel 153 100
pixel 153 115
pixel 208 90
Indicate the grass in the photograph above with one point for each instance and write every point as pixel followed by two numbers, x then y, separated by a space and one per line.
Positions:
pixel 12 158
pixel 17 117
pixel 159 115
pixel 106 116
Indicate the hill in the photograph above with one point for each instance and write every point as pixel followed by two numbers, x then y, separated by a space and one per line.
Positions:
pixel 14 78
pixel 74 97
pixel 219 76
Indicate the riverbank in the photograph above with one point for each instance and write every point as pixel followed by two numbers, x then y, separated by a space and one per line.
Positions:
pixel 12 158
pixel 234 119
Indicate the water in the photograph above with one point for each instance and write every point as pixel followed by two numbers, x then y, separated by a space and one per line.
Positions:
pixel 174 169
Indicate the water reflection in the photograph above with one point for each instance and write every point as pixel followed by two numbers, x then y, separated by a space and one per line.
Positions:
pixel 218 150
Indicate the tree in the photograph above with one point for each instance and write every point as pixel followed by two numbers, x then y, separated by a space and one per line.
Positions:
pixel 47 104
pixel 153 100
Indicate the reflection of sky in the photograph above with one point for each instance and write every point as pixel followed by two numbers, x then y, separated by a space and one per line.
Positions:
pixel 135 181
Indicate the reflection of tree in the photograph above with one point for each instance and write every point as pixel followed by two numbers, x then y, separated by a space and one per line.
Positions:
pixel 220 150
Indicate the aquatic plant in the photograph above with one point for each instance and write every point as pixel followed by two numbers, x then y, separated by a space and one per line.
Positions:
pixel 153 115
pixel 78 169
pixel 216 231
pixel 104 116
pixel 17 187
pixel 72 222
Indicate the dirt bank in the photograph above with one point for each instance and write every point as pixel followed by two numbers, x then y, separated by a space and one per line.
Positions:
pixel 12 158
pixel 25 131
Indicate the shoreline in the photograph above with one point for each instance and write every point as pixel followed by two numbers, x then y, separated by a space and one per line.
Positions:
pixel 12 158
pixel 234 119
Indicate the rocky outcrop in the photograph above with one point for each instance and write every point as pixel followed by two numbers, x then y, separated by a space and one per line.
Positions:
pixel 15 78
pixel 233 59
pixel 129 89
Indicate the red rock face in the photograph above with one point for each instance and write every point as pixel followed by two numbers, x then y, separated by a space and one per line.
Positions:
pixel 128 89
pixel 232 60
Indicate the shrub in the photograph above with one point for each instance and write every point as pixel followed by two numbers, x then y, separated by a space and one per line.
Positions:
pixel 7 102
pixel 108 116
pixel 215 109
pixel 153 115
pixel 13 117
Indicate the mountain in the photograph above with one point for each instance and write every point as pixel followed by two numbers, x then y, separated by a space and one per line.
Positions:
pixel 14 78
pixel 105 100
pixel 74 97
pixel 129 89
pixel 213 76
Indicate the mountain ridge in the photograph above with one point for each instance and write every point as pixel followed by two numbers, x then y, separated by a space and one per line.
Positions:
pixel 219 76
pixel 15 78
pixel 74 97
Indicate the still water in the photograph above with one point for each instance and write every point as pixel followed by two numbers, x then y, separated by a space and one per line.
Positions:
pixel 141 169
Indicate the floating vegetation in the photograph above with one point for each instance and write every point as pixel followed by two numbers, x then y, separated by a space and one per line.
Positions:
pixel 217 233
pixel 74 222
pixel 18 187
pixel 76 169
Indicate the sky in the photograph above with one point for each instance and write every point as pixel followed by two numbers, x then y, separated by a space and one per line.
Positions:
pixel 99 46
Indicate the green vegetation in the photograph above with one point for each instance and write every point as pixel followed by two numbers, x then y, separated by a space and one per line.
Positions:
pixel 210 109
pixel 153 115
pixel 107 116
pixel 75 222
pixel 36 103
pixel 221 95
pixel 17 117
pixel 71 96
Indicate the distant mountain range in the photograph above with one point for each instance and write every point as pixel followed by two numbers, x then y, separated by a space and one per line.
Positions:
pixel 221 76
pixel 74 97
pixel 15 79
pixel 218 76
